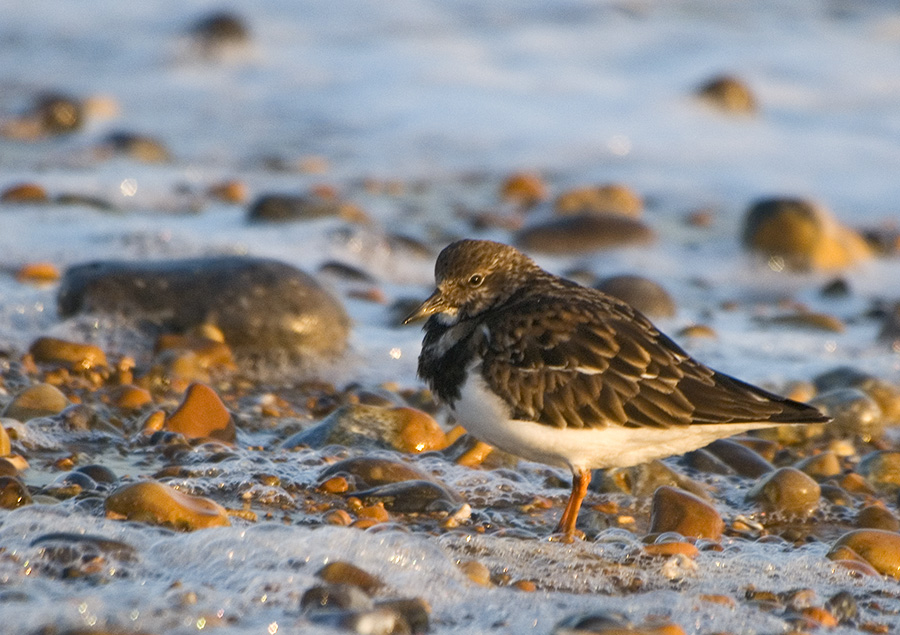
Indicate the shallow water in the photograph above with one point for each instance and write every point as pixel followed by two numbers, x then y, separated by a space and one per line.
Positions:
pixel 447 98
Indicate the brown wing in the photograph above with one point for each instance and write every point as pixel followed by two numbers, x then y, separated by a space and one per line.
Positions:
pixel 597 362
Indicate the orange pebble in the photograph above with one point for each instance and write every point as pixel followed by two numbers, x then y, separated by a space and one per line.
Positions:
pixel 524 189
pixel 672 549
pixel 37 273
pixel 202 414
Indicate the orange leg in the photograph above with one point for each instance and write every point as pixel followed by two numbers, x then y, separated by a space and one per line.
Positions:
pixel 580 481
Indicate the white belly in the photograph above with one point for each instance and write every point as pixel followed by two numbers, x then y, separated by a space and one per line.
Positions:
pixel 487 417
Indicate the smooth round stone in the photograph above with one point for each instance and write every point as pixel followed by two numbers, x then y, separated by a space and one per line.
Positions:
pixel 341 572
pixel 8 468
pixel 39 400
pixel 645 479
pixel 643 294
pixel 786 491
pixel 288 207
pixel 220 28
pixel 415 611
pixel 24 193
pixel 411 497
pixel 58 113
pixel 330 597
pixel 373 471
pixel 137 147
pixel 13 493
pixel 877 517
pixel 613 198
pixel 5 443
pixel 740 458
pixel 820 466
pixel 37 273
pixel 728 94
pixel 852 411
pixel 100 473
pixel 263 307
pixel 885 394
pixel 806 320
pixel 684 513
pixel 130 397
pixel 202 414
pixel 357 425
pixel 881 469
pixel 611 623
pixel 476 571
pixel 584 232
pixel 157 504
pixel 879 548
pixel 74 355
pixel 706 461
pixel 802 235
pixel 524 189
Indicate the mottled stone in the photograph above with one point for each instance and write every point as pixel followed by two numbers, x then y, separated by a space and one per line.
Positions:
pixel 788 492
pixel 202 414
pixel 882 470
pixel 404 429
pixel 158 504
pixel 645 295
pixel 728 94
pixel 801 235
pixel 684 513
pixel 74 355
pixel 583 233
pixel 879 548
pixel 39 400
pixel 613 198
pixel 740 458
pixel 261 306
pixel 289 207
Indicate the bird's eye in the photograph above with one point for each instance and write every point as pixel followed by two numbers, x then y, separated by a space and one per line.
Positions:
pixel 476 280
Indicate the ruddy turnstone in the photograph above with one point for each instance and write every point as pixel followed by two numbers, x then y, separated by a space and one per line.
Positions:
pixel 562 374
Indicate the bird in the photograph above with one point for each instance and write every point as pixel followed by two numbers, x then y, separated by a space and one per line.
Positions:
pixel 566 375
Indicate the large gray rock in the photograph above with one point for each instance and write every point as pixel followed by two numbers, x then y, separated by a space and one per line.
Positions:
pixel 261 306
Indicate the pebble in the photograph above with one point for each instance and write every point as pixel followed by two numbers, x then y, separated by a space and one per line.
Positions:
pixel 38 400
pixel 645 295
pixel 37 273
pixel 645 479
pixel 232 191
pixel 372 471
pixel 135 146
pixel 357 425
pixel 415 496
pixel 885 394
pixel 59 113
pixel 877 517
pixel 342 572
pixel 376 621
pixel 5 443
pixel 611 623
pixel 788 492
pixel 99 473
pixel 684 513
pixel 801 235
pixel 523 189
pixel 13 493
pixel 584 233
pixel 843 606
pixel 415 612
pixel 263 307
pixel 881 470
pixel 286 207
pixel 879 548
pixel 219 29
pixel 202 414
pixel 740 458
pixel 476 571
pixel 613 198
pixel 24 193
pixel 209 354
pixel 806 320
pixel 852 412
pixel 728 94
pixel 130 397
pixel 706 461
pixel 820 466
pixel 74 355
pixel 346 597
pixel 158 504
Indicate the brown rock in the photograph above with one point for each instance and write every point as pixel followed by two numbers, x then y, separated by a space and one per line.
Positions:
pixel 136 146
pixel 879 548
pixel 39 400
pixel 158 504
pixel 820 466
pixel 877 517
pixel 787 491
pixel 29 193
pixel 645 295
pixel 524 189
pixel 372 471
pixel 202 414
pixel 13 493
pixel 740 458
pixel 37 273
pixel 801 235
pixel 684 513
pixel 289 207
pixel 604 199
pixel 5 444
pixel 229 191
pixel 728 94
pixel 584 232
pixel 885 394
pixel 129 397
pixel 476 571
pixel 882 470
pixel 341 572
pixel 74 355
pixel 853 413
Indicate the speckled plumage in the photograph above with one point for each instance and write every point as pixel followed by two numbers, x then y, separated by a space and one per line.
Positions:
pixel 539 349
